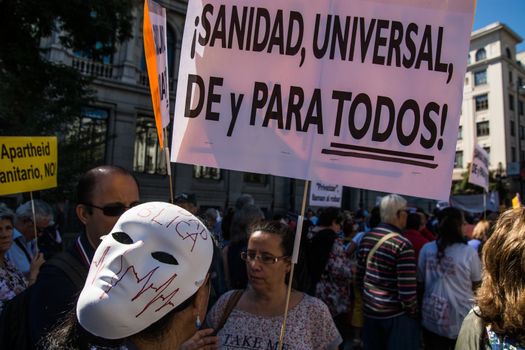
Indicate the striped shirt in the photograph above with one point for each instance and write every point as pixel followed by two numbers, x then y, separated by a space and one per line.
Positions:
pixel 389 282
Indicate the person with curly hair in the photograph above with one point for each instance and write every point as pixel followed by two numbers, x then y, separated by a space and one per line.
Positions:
pixel 498 322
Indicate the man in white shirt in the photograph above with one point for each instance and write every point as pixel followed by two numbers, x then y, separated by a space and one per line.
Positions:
pixel 24 245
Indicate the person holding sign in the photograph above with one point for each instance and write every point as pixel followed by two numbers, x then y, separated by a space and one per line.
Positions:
pixel 12 281
pixel 252 318
pixel 24 250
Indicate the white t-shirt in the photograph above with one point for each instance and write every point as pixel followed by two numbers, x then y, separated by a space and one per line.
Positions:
pixel 448 286
pixel 308 326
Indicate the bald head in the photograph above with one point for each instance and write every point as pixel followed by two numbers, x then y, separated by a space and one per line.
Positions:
pixel 89 180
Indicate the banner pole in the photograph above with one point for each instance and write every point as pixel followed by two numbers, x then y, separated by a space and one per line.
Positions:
pixel 34 219
pixel 168 166
pixel 484 204
pixel 298 233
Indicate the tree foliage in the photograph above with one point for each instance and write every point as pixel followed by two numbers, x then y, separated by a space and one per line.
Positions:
pixel 39 97
pixel 463 187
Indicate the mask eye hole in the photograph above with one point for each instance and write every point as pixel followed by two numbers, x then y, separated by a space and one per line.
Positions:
pixel 165 258
pixel 122 237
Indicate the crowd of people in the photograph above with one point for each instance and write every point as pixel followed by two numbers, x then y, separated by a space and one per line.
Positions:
pixel 170 276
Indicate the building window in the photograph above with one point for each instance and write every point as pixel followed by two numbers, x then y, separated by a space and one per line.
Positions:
pixel 468 59
pixel 481 54
pixel 460 133
pixel 89 133
pixel 206 173
pixel 482 129
pixel 522 132
pixel 148 157
pixel 513 153
pixel 487 149
pixel 520 107
pixel 480 77
pixel 93 53
pixel 254 178
pixel 458 161
pixel 512 128
pixel 511 77
pixel 511 102
pixel 482 102
pixel 509 54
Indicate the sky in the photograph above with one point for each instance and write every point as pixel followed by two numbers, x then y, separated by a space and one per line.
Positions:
pixel 510 12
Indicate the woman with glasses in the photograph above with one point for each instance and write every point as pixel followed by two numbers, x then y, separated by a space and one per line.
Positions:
pixel 12 281
pixel 256 318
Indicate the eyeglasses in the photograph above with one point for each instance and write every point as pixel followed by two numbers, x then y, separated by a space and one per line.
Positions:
pixel 116 209
pixel 265 259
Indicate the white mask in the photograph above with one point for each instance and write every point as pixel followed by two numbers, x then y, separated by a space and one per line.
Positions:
pixel 155 258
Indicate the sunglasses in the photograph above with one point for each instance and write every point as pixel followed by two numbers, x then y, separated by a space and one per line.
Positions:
pixel 116 209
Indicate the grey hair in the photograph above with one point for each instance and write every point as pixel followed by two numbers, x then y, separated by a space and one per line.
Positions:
pixel 42 210
pixel 390 207
pixel 212 213
pixel 6 213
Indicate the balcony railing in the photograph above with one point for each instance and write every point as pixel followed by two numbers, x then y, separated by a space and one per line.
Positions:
pixel 92 68
pixel 101 70
pixel 144 81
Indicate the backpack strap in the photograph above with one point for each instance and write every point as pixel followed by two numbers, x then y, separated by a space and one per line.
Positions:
pixel 74 269
pixel 23 248
pixel 230 305
pixel 377 245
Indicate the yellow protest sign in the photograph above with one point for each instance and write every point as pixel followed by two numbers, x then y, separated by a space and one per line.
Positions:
pixel 27 164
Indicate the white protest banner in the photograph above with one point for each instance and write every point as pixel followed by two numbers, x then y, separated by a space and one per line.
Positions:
pixel 324 195
pixel 479 168
pixel 364 93
pixel 155 39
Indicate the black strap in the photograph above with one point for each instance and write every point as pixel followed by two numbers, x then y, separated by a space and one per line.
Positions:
pixel 74 269
pixel 230 305
pixel 23 248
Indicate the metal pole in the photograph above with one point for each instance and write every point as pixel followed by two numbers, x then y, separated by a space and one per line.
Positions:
pixel 168 167
pixel 297 240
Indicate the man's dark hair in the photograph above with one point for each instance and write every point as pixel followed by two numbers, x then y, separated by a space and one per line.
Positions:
pixel 450 229
pixel 375 217
pixel 88 180
pixel 328 216
pixel 186 198
pixel 413 221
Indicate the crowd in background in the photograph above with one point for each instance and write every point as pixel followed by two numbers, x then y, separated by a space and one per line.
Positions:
pixel 392 277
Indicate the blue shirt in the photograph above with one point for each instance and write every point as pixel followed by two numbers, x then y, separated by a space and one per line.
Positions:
pixel 16 255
